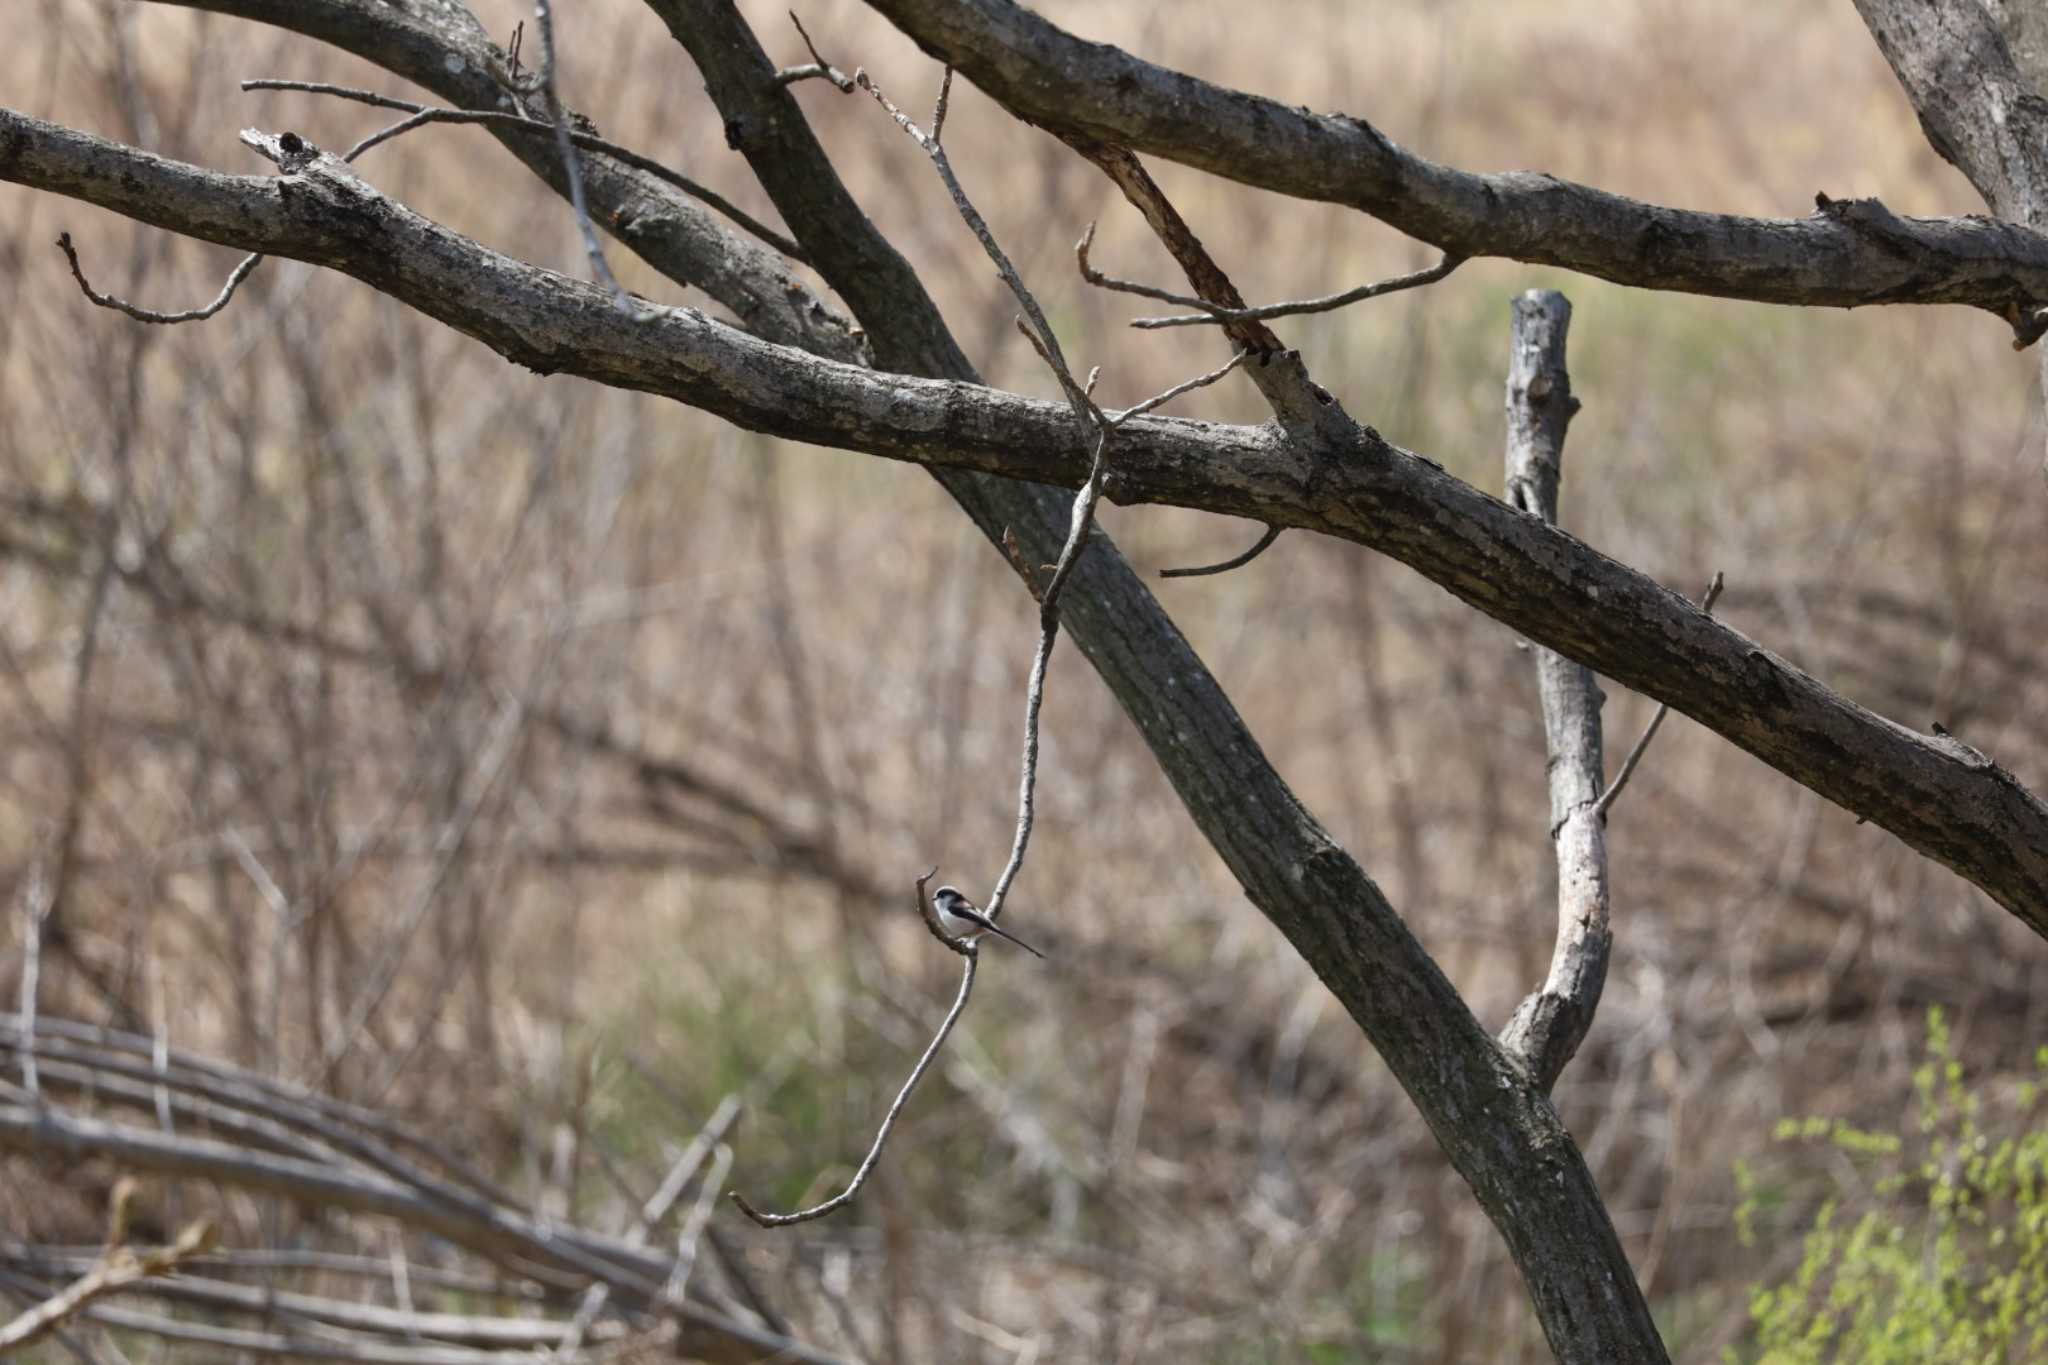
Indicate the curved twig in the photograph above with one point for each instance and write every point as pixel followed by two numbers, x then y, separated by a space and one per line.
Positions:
pixel 1326 304
pixel 867 1165
pixel 140 314
pixel 1210 314
pixel 1234 562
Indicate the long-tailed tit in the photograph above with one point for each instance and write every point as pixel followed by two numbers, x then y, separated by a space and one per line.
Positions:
pixel 959 917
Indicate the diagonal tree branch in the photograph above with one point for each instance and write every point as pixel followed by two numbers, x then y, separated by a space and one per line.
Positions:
pixel 442 47
pixel 1522 1163
pixel 1093 91
pixel 1976 108
pixel 1941 797
pixel 1318 896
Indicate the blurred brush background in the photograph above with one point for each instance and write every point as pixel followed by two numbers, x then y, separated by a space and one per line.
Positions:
pixel 545 763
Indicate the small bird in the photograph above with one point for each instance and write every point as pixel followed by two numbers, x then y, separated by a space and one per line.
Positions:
pixel 959 917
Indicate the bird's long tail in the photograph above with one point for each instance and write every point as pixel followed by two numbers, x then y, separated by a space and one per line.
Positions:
pixel 995 928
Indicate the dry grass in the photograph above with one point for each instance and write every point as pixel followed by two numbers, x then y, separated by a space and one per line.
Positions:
pixel 358 600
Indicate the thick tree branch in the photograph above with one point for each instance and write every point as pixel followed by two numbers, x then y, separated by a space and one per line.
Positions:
pixel 1977 109
pixel 1941 797
pixel 1075 88
pixel 1523 1166
pixel 442 47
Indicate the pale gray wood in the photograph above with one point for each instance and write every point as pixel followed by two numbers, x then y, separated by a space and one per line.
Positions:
pixel 1549 1025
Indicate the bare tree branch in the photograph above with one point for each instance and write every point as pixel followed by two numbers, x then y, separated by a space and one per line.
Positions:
pixel 492 1231
pixel 1549 1025
pixel 1532 577
pixel 444 49
pixel 200 314
pixel 1094 91
pixel 423 114
pixel 117 1270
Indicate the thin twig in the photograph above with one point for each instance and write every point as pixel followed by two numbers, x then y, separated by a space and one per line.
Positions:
pixel 867 1165
pixel 1091 418
pixel 819 69
pixel 692 1233
pixel 116 1270
pixel 1048 634
pixel 933 148
pixel 1635 755
pixel 346 92
pixel 572 169
pixel 1328 303
pixel 680 1173
pixel 1117 419
pixel 141 314
pixel 1215 315
pixel 1234 562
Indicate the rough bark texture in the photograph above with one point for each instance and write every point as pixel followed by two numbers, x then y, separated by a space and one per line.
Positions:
pixel 1551 1023
pixel 1047 76
pixel 1500 1132
pixel 1488 1110
pixel 1975 106
pixel 1974 74
pixel 440 46
pixel 1940 796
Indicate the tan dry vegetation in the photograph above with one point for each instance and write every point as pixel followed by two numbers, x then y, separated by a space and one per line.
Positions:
pixel 462 739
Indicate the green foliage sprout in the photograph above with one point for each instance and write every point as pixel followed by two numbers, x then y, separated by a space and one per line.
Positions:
pixel 1948 1260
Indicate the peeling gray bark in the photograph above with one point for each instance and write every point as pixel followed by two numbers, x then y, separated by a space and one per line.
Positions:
pixel 1550 1024
pixel 1941 797
pixel 1047 76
